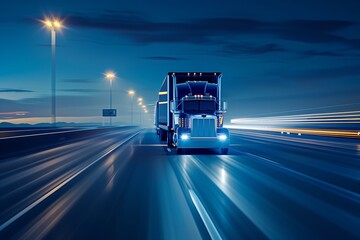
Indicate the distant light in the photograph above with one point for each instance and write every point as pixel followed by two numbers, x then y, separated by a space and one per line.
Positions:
pixel 282 132
pixel 48 23
pixel 358 133
pixel 288 133
pixel 57 24
pixel 299 134
pixel 110 75
pixel 131 92
pixel 143 106
pixel 222 137
pixel 53 23
pixel 140 99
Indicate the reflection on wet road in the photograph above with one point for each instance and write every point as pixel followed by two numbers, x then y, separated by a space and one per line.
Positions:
pixel 124 184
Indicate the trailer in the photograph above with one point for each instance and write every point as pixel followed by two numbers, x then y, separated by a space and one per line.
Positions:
pixel 189 112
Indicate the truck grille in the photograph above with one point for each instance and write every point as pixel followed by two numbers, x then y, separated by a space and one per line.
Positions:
pixel 203 127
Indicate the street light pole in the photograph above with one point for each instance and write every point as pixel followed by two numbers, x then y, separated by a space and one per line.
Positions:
pixel 140 103
pixel 110 100
pixel 53 25
pixel 53 76
pixel 110 76
pixel 131 93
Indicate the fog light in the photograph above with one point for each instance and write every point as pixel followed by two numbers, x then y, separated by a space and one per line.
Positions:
pixel 222 137
pixel 184 137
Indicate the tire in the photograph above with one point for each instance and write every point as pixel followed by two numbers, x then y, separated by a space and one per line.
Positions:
pixel 224 150
pixel 169 139
pixel 162 135
pixel 179 150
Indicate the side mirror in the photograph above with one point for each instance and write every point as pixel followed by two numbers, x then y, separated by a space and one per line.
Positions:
pixel 224 106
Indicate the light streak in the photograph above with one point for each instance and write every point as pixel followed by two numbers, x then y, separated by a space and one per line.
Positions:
pixel 333 124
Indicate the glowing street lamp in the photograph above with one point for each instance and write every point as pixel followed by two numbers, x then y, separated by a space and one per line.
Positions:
pixel 131 93
pixel 140 103
pixel 110 76
pixel 53 24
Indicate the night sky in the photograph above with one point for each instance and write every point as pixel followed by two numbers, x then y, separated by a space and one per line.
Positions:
pixel 277 57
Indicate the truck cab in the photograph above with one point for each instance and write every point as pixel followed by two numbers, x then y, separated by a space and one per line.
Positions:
pixel 193 111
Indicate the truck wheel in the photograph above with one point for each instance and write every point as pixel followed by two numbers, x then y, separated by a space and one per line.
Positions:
pixel 179 150
pixel 162 135
pixel 169 139
pixel 224 150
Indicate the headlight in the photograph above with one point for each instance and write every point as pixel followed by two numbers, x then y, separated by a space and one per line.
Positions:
pixel 222 137
pixel 184 136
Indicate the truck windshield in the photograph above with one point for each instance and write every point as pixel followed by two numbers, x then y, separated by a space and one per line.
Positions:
pixel 199 107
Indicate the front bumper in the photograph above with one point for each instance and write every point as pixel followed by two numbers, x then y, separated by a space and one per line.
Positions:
pixel 203 142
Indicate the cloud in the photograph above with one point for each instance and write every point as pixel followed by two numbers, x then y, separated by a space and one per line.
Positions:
pixel 145 31
pixel 77 80
pixel 66 105
pixel 313 53
pixel 213 30
pixel 162 58
pixel 311 31
pixel 79 90
pixel 337 74
pixel 236 49
pixel 15 90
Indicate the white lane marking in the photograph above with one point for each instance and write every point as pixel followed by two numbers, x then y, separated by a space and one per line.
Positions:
pixel 261 158
pixel 214 234
pixel 48 194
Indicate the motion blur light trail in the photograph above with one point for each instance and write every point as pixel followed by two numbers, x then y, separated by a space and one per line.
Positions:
pixel 334 124
pixel 332 117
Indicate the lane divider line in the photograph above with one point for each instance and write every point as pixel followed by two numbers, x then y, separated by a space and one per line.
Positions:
pixel 48 194
pixel 214 234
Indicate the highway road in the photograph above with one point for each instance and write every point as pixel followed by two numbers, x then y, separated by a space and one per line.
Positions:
pixel 125 184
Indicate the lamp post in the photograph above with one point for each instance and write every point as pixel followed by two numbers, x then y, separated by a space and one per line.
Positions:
pixel 131 93
pixel 140 103
pixel 110 76
pixel 53 25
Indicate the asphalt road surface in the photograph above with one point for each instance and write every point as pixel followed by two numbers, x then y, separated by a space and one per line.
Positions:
pixel 125 184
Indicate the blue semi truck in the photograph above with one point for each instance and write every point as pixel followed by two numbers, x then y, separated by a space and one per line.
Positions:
pixel 189 112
